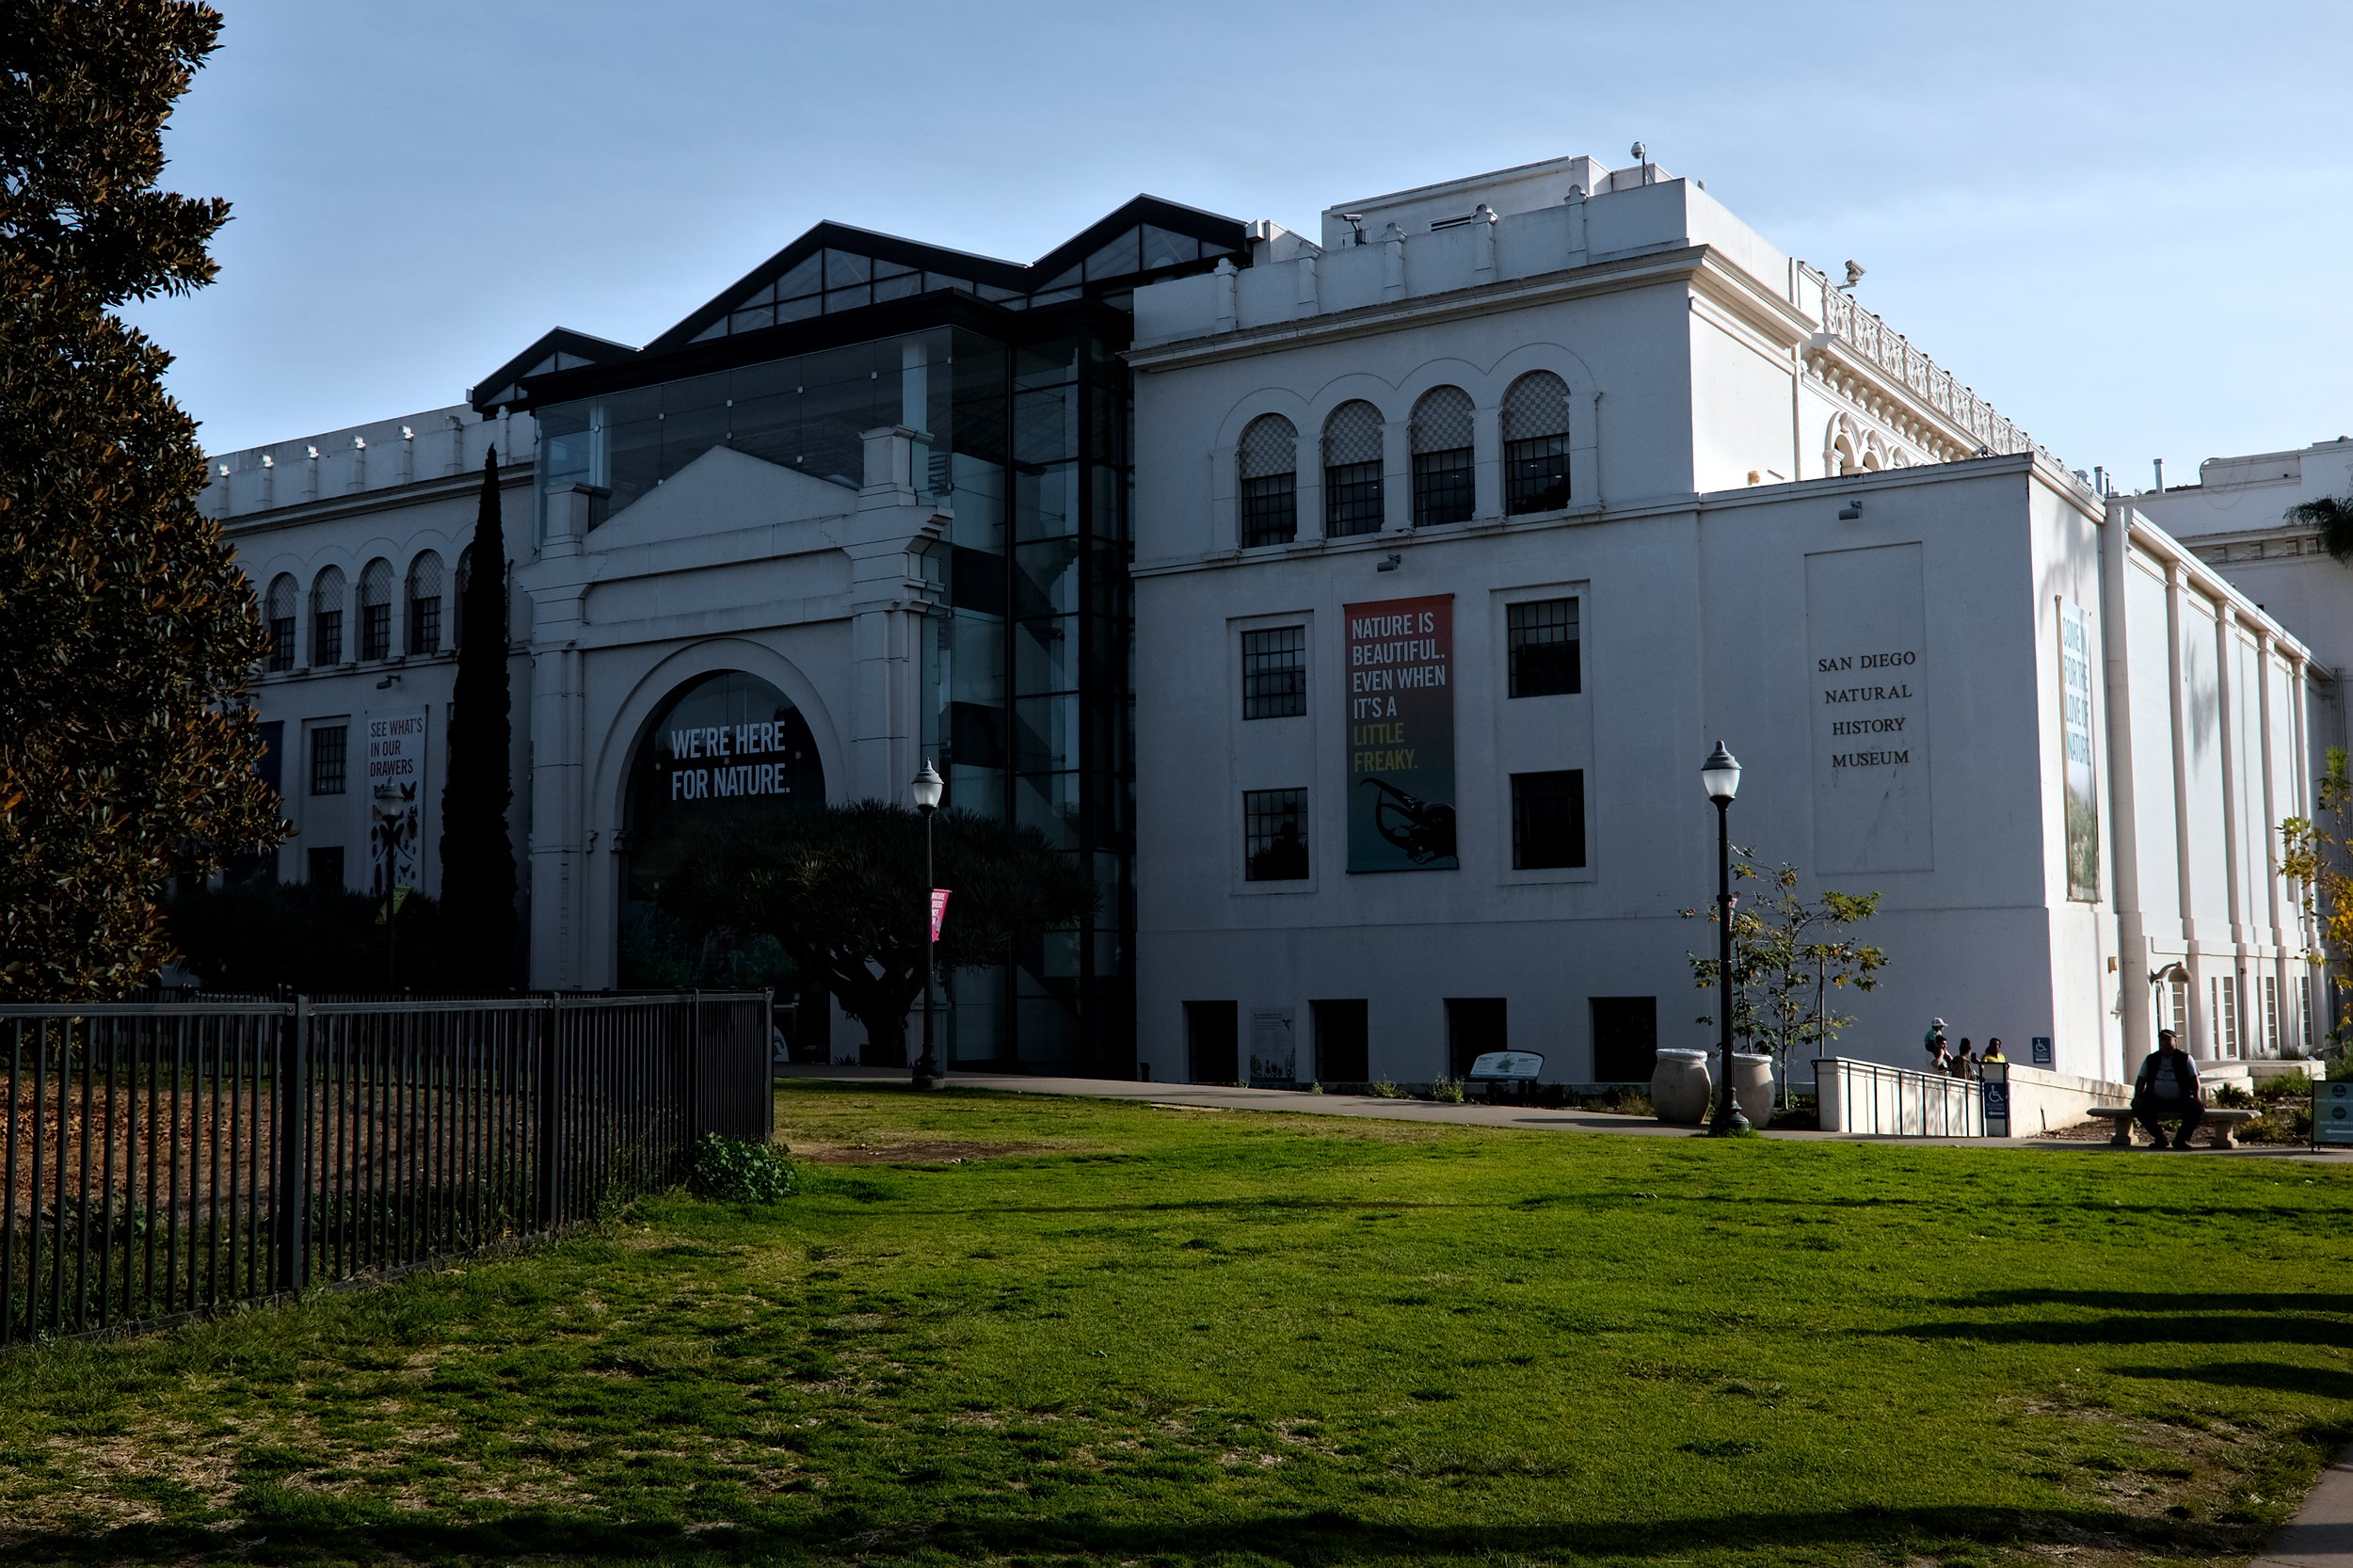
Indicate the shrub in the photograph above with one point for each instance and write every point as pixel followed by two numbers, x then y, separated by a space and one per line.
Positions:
pixel 2230 1097
pixel 735 1171
pixel 1385 1090
pixel 1447 1091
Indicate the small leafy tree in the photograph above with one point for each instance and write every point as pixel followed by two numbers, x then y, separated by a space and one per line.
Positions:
pixel 1789 954
pixel 478 855
pixel 841 888
pixel 2333 517
pixel 126 631
pixel 2314 855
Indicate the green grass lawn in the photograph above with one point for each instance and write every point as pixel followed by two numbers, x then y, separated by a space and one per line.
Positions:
pixel 1136 1335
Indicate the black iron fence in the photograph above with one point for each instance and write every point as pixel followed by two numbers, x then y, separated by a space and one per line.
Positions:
pixel 166 1159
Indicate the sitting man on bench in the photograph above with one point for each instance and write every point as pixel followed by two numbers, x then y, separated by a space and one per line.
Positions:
pixel 2167 1089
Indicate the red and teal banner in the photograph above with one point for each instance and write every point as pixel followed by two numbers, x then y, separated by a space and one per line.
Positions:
pixel 1401 735
pixel 939 910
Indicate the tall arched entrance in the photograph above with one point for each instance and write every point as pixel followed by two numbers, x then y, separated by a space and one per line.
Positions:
pixel 725 748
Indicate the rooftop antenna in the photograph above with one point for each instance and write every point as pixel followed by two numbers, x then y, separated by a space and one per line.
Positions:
pixel 1854 275
pixel 1357 222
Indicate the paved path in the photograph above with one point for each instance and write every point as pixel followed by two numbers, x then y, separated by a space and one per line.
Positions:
pixel 1227 1096
pixel 2321 1534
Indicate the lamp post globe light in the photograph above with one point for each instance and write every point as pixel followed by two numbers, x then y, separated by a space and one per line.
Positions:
pixel 927 788
pixel 1721 775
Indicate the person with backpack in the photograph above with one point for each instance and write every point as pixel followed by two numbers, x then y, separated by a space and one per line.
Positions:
pixel 2166 1089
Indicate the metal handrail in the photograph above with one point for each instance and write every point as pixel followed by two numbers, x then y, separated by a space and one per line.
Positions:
pixel 1947 1107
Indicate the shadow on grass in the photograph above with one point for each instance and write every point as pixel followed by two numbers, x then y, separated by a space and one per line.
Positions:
pixel 2287 1378
pixel 2148 1329
pixel 2166 1301
pixel 305 1533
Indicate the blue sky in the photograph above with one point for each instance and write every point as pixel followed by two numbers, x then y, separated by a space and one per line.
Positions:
pixel 2126 224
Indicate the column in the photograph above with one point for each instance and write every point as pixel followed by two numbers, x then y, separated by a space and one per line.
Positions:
pixel 1487 464
pixel 2176 694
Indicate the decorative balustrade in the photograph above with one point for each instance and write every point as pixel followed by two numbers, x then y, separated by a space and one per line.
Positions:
pixel 1889 349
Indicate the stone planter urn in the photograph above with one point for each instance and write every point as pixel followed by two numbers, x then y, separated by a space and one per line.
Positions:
pixel 1681 1087
pixel 1752 1086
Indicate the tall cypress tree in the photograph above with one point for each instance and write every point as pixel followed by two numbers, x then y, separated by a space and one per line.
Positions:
pixel 127 633
pixel 477 857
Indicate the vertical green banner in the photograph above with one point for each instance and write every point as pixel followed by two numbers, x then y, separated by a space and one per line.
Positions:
pixel 2082 798
pixel 1401 735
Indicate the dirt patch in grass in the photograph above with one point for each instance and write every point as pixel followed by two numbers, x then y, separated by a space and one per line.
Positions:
pixel 935 1151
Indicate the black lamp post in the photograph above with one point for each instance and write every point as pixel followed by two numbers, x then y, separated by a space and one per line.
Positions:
pixel 1720 774
pixel 927 788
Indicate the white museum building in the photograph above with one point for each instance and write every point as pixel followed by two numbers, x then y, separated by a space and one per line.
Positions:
pixel 1358 608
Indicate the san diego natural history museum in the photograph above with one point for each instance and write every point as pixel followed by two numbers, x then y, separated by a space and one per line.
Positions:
pixel 1357 605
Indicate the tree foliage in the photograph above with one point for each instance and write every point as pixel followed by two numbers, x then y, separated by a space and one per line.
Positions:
pixel 127 633
pixel 253 938
pixel 841 888
pixel 1790 956
pixel 2333 517
pixel 2315 853
pixel 477 853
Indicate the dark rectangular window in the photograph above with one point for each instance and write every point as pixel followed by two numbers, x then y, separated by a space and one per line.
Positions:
pixel 1547 820
pixel 326 867
pixel 376 631
pixel 327 759
pixel 1270 509
pixel 1351 498
pixel 1212 1040
pixel 1343 1040
pixel 1625 1038
pixel 1445 487
pixel 1541 638
pixel 326 637
pixel 1536 474
pixel 1474 1025
pixel 425 624
pixel 1276 824
pixel 1275 673
pixel 282 644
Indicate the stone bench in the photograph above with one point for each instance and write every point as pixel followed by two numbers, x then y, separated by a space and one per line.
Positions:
pixel 2221 1119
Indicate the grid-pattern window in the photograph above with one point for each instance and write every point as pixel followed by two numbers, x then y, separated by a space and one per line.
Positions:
pixel 1548 819
pixel 326 618
pixel 1445 481
pixel 425 604
pixel 1351 471
pixel 329 750
pixel 283 595
pixel 2271 1015
pixel 2225 993
pixel 1274 829
pixel 1268 463
pixel 1541 647
pixel 1275 673
pixel 2180 1022
pixel 375 609
pixel 1536 443
pixel 2305 989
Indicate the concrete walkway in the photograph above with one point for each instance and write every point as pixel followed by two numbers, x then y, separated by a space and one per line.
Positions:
pixel 1227 1096
pixel 2321 1534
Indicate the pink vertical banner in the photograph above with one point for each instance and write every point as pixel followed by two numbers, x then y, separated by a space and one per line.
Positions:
pixel 939 910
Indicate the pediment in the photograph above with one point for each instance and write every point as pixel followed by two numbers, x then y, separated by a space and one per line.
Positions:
pixel 719 491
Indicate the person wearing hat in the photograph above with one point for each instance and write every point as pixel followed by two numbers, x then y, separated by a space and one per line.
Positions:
pixel 2166 1090
pixel 1933 1043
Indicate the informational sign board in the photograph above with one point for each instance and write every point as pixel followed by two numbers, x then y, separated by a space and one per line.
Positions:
pixel 1273 1054
pixel 2038 1050
pixel 396 784
pixel 1993 1095
pixel 1507 1064
pixel 2082 798
pixel 1867 675
pixel 1401 735
pixel 2332 1112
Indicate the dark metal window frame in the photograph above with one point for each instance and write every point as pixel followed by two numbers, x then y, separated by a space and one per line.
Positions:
pixel 1445 487
pixel 326 636
pixel 1275 836
pixel 1548 821
pixel 1543 647
pixel 330 759
pixel 1351 498
pixel 1270 509
pixel 425 624
pixel 1536 474
pixel 376 631
pixel 282 644
pixel 1275 673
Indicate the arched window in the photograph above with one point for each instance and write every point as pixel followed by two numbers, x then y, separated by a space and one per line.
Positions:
pixel 375 609
pixel 1269 481
pixel 1536 443
pixel 283 595
pixel 326 618
pixel 457 601
pixel 425 604
pixel 1445 485
pixel 1351 470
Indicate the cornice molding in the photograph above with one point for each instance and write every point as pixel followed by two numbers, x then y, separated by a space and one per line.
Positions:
pixel 334 508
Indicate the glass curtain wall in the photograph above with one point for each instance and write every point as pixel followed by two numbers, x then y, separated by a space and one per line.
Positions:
pixel 1028 694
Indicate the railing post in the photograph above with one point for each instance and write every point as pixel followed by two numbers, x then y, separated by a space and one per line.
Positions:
pixel 697 1041
pixel 293 1241
pixel 547 1144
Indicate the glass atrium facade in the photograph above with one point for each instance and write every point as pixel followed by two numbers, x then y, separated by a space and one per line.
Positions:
pixel 1025 402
